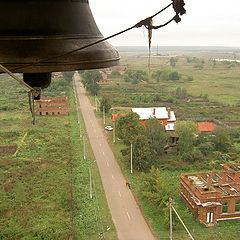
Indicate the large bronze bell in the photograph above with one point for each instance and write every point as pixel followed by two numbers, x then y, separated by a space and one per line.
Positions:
pixel 36 30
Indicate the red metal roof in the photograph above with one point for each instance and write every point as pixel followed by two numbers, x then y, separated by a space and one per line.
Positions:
pixel 115 116
pixel 205 126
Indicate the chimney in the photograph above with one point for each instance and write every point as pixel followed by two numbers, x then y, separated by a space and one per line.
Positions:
pixel 154 111
pixel 169 113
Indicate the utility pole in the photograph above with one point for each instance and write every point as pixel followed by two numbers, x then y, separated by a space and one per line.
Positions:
pixel 84 148
pixel 183 223
pixel 96 103
pixel 103 114
pixel 114 132
pixel 131 159
pixel 90 181
pixel 170 206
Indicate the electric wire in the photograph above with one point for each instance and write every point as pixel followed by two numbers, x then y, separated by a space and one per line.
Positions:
pixel 144 22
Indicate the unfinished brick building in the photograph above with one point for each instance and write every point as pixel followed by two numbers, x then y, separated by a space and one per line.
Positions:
pixel 213 196
pixel 52 106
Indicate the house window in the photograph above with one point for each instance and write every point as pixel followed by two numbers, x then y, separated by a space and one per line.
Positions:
pixel 40 105
pixel 52 113
pixel 40 113
pixel 237 206
pixel 58 113
pixel 225 207
pixel 46 113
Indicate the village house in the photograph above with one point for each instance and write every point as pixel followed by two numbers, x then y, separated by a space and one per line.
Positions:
pixel 162 114
pixel 213 196
pixel 205 127
pixel 52 106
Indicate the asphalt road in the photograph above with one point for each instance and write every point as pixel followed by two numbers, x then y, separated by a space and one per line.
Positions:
pixel 125 212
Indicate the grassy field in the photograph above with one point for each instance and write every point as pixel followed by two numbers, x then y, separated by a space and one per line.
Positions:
pixel 44 191
pixel 220 81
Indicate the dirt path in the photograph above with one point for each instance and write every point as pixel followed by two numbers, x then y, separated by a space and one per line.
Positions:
pixel 126 215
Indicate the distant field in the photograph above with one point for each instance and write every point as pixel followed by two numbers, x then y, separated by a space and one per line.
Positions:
pixel 221 82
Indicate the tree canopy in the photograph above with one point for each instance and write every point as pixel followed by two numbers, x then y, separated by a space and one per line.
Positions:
pixel 135 76
pixel 186 131
pixel 128 127
pixel 106 102
pixel 157 137
pixel 90 79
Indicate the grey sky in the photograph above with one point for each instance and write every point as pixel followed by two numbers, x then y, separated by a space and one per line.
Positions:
pixel 206 23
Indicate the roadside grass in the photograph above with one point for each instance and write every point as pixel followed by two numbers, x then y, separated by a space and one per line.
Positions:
pixel 44 190
pixel 91 216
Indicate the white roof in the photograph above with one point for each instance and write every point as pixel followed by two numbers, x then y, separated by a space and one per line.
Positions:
pixel 170 127
pixel 146 113
pixel 172 117
pixel 160 113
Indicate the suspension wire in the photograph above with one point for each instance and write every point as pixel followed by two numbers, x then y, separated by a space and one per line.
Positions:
pixel 34 91
pixel 144 22
pixel 15 77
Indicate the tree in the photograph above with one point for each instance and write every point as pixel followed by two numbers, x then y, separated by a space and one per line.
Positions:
pixel 135 76
pixel 222 141
pixel 142 155
pixel 173 61
pixel 90 79
pixel 174 76
pixel 106 102
pixel 68 76
pixel 115 74
pixel 186 131
pixel 157 137
pixel 156 188
pixel 128 127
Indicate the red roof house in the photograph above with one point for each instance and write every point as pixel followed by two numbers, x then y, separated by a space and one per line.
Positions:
pixel 205 126
pixel 115 116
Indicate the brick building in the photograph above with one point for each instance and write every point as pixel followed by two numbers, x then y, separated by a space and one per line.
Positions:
pixel 213 196
pixel 52 106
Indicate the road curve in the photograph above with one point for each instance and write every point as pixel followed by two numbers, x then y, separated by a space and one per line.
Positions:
pixel 126 215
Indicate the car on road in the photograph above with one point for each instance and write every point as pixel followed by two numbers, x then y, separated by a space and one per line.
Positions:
pixel 108 128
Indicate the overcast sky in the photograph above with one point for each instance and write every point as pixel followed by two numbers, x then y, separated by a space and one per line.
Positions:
pixel 206 23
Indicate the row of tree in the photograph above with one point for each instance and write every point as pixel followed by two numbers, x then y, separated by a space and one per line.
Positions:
pixel 149 141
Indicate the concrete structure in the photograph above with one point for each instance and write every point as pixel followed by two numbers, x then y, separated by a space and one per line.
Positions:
pixel 213 196
pixel 52 106
pixel 164 115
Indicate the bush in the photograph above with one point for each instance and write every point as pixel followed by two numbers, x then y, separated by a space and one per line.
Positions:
pixel 206 148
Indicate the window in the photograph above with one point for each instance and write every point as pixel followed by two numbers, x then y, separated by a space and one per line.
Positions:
pixel 53 113
pixel 46 113
pixel 40 113
pixel 237 206
pixel 58 113
pixel 225 207
pixel 40 105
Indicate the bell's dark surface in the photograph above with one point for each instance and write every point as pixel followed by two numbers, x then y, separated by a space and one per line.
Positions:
pixel 34 30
